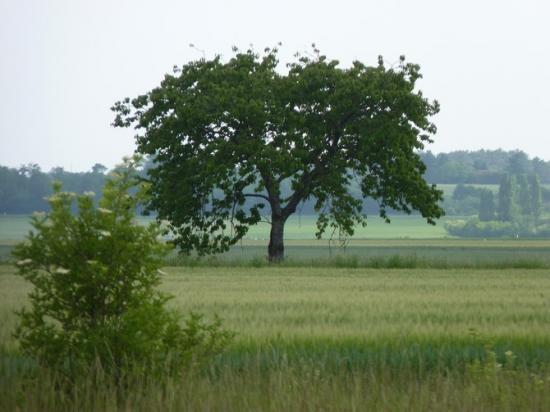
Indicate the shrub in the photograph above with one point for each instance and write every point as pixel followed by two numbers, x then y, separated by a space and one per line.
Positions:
pixel 463 191
pixel 475 228
pixel 95 300
pixel 522 227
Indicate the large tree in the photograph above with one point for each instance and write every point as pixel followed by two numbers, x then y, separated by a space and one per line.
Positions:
pixel 226 136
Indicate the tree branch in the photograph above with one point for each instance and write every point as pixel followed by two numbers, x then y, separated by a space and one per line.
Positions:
pixel 307 178
pixel 298 195
pixel 256 195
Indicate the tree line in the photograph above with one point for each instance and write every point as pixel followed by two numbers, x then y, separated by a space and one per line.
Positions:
pixel 22 190
pixel 516 210
pixel 482 166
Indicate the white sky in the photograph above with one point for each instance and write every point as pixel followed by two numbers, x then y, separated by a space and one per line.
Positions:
pixel 63 63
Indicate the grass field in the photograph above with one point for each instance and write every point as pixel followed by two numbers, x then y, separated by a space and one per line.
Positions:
pixel 410 253
pixel 403 318
pixel 294 303
pixel 406 242
pixel 337 339
pixel 15 227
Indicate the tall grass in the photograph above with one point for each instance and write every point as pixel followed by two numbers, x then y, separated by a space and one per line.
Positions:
pixel 270 302
pixel 334 339
pixel 396 261
pixel 288 385
pixel 349 261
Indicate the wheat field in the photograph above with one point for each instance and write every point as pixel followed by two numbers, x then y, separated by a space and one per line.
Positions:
pixel 333 339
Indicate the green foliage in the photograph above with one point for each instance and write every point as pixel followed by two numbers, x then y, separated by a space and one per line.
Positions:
pixel 535 197
pixel 224 132
pixel 476 228
pixel 486 206
pixel 523 227
pixel 507 209
pixel 333 339
pixel 520 199
pixel 518 164
pixel 19 196
pixel 465 200
pixel 22 190
pixel 524 195
pixel 463 191
pixel 95 275
pixel 481 166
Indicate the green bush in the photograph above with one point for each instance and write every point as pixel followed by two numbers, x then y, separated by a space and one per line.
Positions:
pixel 95 300
pixel 522 227
pixel 475 228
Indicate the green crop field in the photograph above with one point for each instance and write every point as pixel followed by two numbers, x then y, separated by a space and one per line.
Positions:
pixel 298 227
pixel 336 339
pixel 14 229
pixel 440 253
pixel 261 304
pixel 401 318
pixel 406 242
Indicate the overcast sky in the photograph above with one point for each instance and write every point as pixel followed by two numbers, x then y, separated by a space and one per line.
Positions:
pixel 64 63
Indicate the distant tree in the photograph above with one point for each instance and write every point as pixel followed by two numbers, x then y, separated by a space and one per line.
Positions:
pixel 32 187
pixel 98 168
pixel 541 169
pixel 462 191
pixel 524 195
pixel 486 206
pixel 535 197
pixel 430 161
pixel 454 172
pixel 22 190
pixel 518 164
pixel 222 133
pixel 507 209
pixel 8 189
pixel 480 164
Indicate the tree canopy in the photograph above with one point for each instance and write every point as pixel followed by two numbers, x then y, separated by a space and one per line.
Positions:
pixel 222 132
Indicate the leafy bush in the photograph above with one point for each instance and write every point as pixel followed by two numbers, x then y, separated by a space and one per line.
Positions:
pixel 464 201
pixel 463 191
pixel 94 299
pixel 475 228
pixel 521 227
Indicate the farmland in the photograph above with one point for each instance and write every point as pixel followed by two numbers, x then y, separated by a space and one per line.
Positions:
pixel 408 241
pixel 15 227
pixel 266 304
pixel 348 338
pixel 300 235
pixel 403 317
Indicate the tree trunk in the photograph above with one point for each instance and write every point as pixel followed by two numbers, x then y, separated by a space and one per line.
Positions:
pixel 276 248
